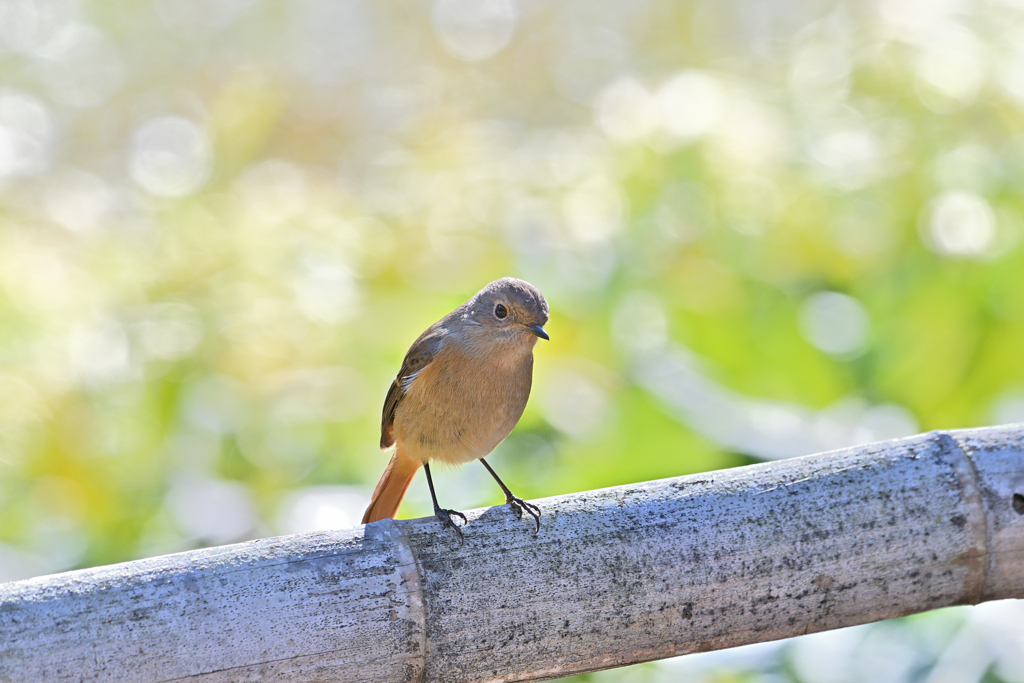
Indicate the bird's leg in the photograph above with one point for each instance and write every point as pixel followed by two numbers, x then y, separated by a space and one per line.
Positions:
pixel 517 504
pixel 444 515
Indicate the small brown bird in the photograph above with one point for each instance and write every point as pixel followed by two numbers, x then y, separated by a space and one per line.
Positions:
pixel 462 388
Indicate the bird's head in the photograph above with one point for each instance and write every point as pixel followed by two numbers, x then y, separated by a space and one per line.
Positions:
pixel 509 309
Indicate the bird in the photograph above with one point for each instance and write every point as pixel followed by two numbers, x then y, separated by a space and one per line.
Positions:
pixel 462 388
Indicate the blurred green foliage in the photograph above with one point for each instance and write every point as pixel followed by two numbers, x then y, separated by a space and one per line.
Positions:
pixel 222 226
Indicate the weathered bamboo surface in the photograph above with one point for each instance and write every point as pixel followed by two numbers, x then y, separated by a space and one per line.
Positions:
pixel 616 576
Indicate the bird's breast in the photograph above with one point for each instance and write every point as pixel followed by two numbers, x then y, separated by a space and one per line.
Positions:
pixel 460 406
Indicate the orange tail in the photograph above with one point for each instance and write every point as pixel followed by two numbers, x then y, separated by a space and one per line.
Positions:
pixel 392 487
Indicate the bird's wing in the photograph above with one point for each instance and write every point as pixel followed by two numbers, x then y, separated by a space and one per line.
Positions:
pixel 420 354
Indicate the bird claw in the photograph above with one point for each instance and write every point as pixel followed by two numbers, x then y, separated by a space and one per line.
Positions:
pixel 518 505
pixel 446 520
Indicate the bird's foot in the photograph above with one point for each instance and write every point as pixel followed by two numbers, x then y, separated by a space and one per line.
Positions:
pixel 518 505
pixel 447 522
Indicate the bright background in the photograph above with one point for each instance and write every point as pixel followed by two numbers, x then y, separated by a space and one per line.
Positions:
pixel 765 230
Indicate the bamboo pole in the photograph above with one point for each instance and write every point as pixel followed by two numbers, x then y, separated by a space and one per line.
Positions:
pixel 616 576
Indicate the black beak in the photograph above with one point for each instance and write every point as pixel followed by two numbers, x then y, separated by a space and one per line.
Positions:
pixel 538 330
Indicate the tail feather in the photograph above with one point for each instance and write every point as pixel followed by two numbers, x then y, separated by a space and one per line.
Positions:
pixel 391 488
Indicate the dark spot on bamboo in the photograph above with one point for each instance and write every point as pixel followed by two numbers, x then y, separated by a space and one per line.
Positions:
pixel 1018 503
pixel 823 581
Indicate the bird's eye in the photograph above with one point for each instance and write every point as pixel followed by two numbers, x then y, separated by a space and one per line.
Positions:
pixel 500 311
